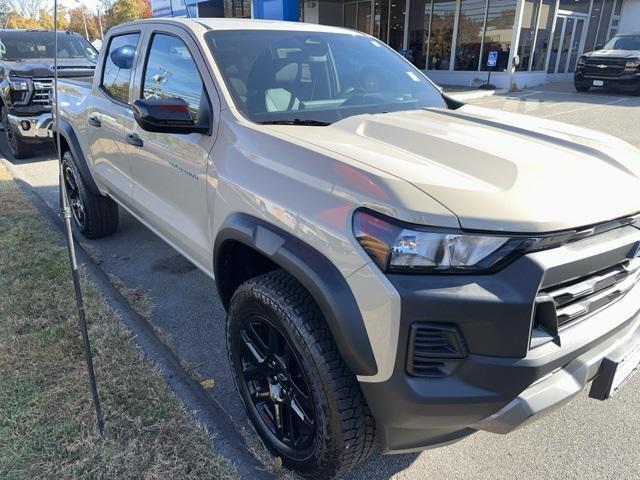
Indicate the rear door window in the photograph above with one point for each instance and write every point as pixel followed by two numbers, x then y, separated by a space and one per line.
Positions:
pixel 118 65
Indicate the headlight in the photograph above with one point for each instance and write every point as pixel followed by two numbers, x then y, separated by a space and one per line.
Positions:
pixel 398 247
pixel 633 63
pixel 18 84
pixel 582 60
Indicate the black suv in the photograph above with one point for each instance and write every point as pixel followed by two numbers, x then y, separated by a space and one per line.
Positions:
pixel 26 77
pixel 616 65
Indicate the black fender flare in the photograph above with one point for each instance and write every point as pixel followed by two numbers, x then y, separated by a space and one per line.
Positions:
pixel 70 137
pixel 316 273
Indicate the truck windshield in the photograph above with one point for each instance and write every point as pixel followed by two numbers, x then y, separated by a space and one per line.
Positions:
pixel 624 42
pixel 25 45
pixel 316 78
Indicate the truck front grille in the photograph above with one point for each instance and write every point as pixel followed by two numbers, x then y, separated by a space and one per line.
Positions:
pixel 564 304
pixel 604 67
pixel 41 89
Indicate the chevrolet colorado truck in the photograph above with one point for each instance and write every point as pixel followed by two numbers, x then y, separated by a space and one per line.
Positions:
pixel 26 75
pixel 614 65
pixel 399 269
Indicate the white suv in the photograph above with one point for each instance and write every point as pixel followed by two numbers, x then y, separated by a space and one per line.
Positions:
pixel 398 268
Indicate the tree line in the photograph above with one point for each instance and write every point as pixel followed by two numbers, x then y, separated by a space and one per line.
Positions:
pixel 38 14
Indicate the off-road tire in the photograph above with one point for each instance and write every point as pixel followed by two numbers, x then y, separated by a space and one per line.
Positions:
pixel 18 148
pixel 100 213
pixel 345 430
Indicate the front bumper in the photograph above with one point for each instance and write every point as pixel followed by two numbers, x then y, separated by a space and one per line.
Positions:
pixel 32 128
pixel 627 81
pixel 504 381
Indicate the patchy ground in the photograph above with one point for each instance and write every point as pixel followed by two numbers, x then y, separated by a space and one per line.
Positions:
pixel 47 426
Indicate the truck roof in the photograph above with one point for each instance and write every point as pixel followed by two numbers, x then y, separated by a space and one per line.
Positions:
pixel 249 24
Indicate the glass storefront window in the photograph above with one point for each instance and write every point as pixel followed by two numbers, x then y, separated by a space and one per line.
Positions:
pixel 580 6
pixel 442 22
pixel 419 23
pixel 545 23
pixel 497 37
pixel 237 8
pixel 603 27
pixel 527 32
pixel 469 37
pixel 380 19
pixel 396 24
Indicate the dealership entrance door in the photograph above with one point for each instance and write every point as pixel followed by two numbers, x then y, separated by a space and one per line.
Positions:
pixel 384 19
pixel 567 45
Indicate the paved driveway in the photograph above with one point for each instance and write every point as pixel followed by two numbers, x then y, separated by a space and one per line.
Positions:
pixel 585 439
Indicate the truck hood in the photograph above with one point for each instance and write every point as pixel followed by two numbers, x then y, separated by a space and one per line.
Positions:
pixel 43 67
pixel 494 170
pixel 630 54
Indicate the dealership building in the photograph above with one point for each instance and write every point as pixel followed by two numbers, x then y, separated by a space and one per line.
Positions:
pixel 530 41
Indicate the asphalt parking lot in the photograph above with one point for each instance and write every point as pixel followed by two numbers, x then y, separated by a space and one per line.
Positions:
pixel 584 439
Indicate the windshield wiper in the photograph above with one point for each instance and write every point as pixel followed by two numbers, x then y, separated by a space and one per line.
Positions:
pixel 297 121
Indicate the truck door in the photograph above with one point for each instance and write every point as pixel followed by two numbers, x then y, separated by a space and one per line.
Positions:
pixel 170 170
pixel 107 110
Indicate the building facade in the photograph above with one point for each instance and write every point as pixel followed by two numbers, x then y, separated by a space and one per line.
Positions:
pixel 532 41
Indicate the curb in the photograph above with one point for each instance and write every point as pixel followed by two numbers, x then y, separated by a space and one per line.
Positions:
pixel 205 410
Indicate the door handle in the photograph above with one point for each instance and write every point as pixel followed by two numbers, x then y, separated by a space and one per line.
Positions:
pixel 95 121
pixel 134 139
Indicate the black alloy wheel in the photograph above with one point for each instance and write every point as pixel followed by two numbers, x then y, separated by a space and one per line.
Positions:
pixel 273 379
pixel 303 400
pixel 73 194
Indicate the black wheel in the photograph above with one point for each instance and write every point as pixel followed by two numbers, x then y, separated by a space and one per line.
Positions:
pixel 94 215
pixel 303 400
pixel 19 149
pixel 581 88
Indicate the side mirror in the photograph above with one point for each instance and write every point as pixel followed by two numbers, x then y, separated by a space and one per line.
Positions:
pixel 599 46
pixel 123 57
pixel 166 115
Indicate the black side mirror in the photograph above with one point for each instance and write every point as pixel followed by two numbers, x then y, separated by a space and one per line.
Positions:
pixel 123 57
pixel 599 47
pixel 166 115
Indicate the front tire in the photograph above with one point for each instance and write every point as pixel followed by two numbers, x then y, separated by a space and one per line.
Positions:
pixel 302 399
pixel 95 216
pixel 19 149
pixel 581 88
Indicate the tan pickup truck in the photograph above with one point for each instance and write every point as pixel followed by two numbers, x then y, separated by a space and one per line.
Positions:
pixel 399 269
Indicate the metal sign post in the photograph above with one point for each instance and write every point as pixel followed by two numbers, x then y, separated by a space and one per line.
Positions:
pixel 65 212
pixel 492 60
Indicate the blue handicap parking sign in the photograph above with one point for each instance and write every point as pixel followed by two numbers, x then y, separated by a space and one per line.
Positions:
pixel 493 58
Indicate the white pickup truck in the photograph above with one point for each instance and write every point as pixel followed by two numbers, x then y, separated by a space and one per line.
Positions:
pixel 399 269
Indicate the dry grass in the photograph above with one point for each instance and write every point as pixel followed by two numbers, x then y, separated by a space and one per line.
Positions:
pixel 47 427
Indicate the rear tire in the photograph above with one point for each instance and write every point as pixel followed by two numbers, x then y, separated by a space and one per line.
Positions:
pixel 18 148
pixel 333 429
pixel 94 215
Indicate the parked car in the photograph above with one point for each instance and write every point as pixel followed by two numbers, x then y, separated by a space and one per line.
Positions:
pixel 26 76
pixel 615 65
pixel 398 268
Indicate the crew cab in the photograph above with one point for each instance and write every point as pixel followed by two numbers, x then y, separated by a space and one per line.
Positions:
pixel 398 268
pixel 615 65
pixel 26 76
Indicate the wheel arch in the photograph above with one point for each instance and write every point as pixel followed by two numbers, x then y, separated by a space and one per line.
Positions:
pixel 69 143
pixel 272 248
